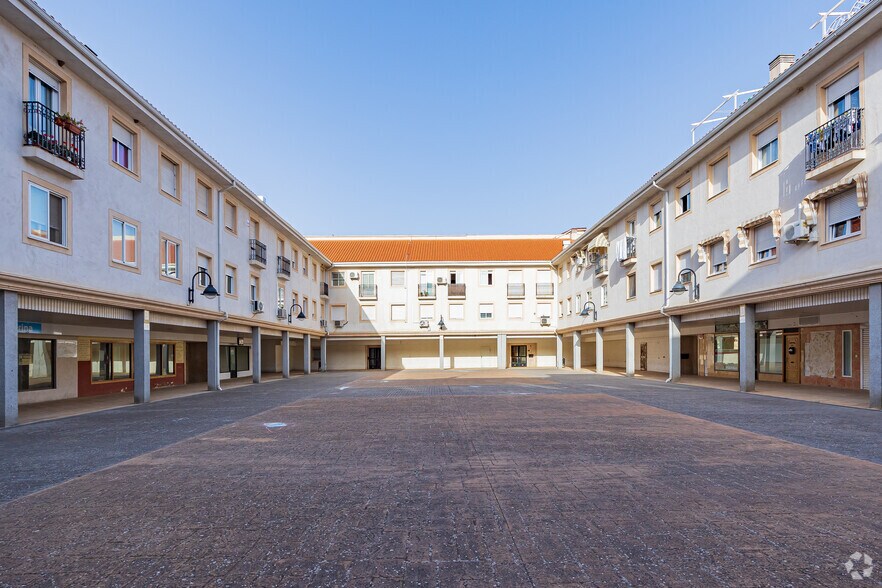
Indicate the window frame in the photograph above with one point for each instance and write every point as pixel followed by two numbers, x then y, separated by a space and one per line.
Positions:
pixel 677 189
pixel 720 156
pixel 235 207
pixel 754 252
pixel 116 216
pixel 164 240
pixel 109 373
pixel 392 308
pixel 67 225
pixel 711 272
pixel 200 280
pixel 53 351
pixel 490 315
pixel 855 62
pixel 653 227
pixel 128 124
pixel 827 241
pixel 631 286
pixel 235 276
pixel 177 162
pixel 342 275
pixel 33 55
pixel 208 215
pixel 157 347
pixel 661 276
pixel 756 167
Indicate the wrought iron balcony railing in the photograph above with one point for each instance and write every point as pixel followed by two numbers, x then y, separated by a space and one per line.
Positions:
pixel 257 252
pixel 456 291
pixel 367 290
pixel 516 290
pixel 601 266
pixel 426 291
pixel 44 128
pixel 545 290
pixel 283 266
pixel 627 249
pixel 834 138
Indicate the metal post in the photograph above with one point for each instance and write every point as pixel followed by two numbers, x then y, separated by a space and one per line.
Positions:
pixel 629 349
pixel 256 371
pixel 213 328
pixel 747 347
pixel 9 356
pixel 286 354
pixel 141 355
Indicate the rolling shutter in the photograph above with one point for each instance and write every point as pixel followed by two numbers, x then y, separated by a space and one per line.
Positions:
pixel 842 207
pixel 765 237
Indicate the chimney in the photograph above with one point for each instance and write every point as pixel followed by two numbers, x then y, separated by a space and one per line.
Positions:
pixel 779 65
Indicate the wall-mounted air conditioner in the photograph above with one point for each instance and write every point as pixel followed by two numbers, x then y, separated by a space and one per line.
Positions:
pixel 544 321
pixel 256 306
pixel 353 275
pixel 796 232
pixel 442 282
pixel 424 324
pixel 339 324
pixel 323 323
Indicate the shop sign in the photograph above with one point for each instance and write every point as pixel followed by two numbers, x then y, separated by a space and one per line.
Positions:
pixel 30 328
pixel 733 327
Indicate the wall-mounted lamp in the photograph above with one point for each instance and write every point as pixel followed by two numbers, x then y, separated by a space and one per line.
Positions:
pixel 300 315
pixel 680 286
pixel 441 324
pixel 588 310
pixel 209 291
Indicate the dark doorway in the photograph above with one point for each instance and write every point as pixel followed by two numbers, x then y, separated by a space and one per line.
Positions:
pixel 518 356
pixel 373 358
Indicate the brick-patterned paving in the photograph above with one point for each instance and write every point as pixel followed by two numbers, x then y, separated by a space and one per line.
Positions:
pixel 546 490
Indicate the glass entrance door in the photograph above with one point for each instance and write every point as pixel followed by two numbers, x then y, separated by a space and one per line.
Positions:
pixel 518 356
pixel 231 354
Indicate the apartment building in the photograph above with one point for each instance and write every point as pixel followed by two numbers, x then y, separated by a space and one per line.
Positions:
pixel 754 254
pixel 442 302
pixel 131 259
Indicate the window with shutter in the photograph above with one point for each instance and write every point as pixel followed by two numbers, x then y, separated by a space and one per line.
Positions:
pixel 767 146
pixel 765 245
pixel 684 198
pixel 843 216
pixel 718 258
pixel 203 199
pixel 844 94
pixel 123 146
pixel 719 177
pixel 168 176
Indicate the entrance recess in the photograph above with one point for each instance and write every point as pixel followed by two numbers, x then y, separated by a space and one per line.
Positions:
pixel 373 358
pixel 518 356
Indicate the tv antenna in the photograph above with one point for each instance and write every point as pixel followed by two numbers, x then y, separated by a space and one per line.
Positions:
pixel 717 114
pixel 839 17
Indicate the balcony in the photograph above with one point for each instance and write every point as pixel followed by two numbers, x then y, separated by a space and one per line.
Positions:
pixel 324 289
pixel 545 290
pixel 601 267
pixel 627 250
pixel 426 291
pixel 835 144
pixel 283 267
pixel 516 290
pixel 367 291
pixel 53 142
pixel 257 253
pixel 456 291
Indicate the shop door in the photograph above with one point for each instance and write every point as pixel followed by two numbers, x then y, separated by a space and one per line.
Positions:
pixel 792 359
pixel 644 356
pixel 373 358
pixel 518 356
pixel 231 354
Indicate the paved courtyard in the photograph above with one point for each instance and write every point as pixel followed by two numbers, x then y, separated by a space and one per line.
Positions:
pixel 553 481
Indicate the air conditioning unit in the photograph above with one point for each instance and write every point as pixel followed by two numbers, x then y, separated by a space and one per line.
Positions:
pixel 256 306
pixel 544 321
pixel 442 282
pixel 796 232
pixel 353 275
pixel 323 323
pixel 339 324
pixel 424 324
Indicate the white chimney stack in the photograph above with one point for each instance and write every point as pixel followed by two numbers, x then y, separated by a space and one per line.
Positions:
pixel 779 65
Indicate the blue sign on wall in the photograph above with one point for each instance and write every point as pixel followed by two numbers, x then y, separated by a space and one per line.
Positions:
pixel 30 328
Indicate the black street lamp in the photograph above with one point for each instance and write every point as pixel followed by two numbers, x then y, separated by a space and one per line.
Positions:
pixel 441 324
pixel 209 291
pixel 589 309
pixel 680 287
pixel 300 315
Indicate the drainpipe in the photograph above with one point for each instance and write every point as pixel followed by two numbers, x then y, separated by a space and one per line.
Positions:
pixel 219 213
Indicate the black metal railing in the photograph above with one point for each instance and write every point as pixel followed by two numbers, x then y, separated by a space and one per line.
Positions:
pixel 45 129
pixel 324 289
pixel 629 249
pixel 545 290
pixel 367 290
pixel 456 291
pixel 834 138
pixel 281 312
pixel 601 266
pixel 426 291
pixel 258 251
pixel 283 266
pixel 516 290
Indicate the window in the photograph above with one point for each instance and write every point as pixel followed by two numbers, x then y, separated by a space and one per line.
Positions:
pixel 168 258
pixel 684 198
pixel 253 228
pixel 457 312
pixel 543 276
pixel 515 277
pixel 397 277
pixel 124 242
pixel 203 198
pixel 766 150
pixel 718 175
pixel 485 311
pixel 569 306
pixel 313 309
pixel 235 358
pixel 295 298
pixel 230 213
pixel 560 308
pixel 578 306
pixel 338 312
pixel 169 176
pixel 843 216
pixel 111 361
pixel 315 272
pixel 684 261
pixel 203 262
pixel 254 288
pixel 632 286
pixel 280 296
pixel 486 278
pixel 122 146
pixel 162 359
pixel 369 313
pixel 655 216
pixel 847 353
pixel 280 247
pixel 717 257
pixel 726 353
pixel 398 312
pixel 515 311
pixel 604 294
pixel 427 311
pixel 844 94
pixel 295 260
pixel 770 352
pixel 338 279
pixel 305 305
pixel 543 309
pixel 655 277
pixel 765 246
pixel 43 88
pixel 230 280
pixel 305 266
pixel 36 364
pixel 456 277
pixel 47 215
pixel 631 227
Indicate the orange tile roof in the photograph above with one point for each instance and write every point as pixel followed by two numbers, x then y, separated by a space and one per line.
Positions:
pixel 422 249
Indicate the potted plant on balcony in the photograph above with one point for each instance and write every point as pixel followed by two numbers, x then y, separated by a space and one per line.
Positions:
pixel 68 122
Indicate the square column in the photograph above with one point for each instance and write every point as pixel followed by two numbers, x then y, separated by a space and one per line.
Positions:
pixel 501 351
pixel 673 349
pixel 382 352
pixel 213 329
pixel 307 354
pixel 598 349
pixel 441 351
pixel 577 351
pixel 141 355
pixel 629 349
pixel 9 358
pixel 875 383
pixel 747 347
pixel 286 354
pixel 255 355
pixel 323 354
pixel 558 357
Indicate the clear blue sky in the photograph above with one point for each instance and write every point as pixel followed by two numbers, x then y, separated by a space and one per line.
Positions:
pixel 368 117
